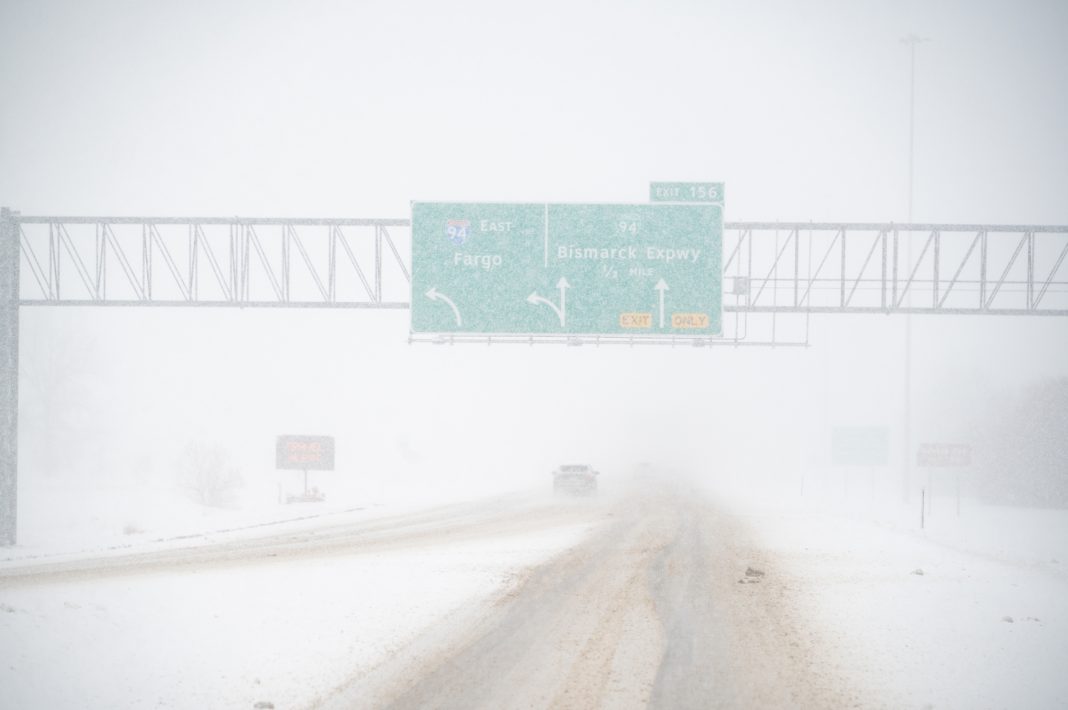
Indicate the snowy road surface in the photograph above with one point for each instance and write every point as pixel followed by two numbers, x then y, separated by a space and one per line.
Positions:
pixel 653 610
pixel 652 597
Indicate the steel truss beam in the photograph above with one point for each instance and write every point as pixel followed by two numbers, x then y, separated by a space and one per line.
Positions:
pixel 769 267
pixel 890 268
pixel 332 263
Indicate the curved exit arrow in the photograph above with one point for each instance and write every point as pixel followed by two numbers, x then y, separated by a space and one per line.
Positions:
pixel 561 312
pixel 434 295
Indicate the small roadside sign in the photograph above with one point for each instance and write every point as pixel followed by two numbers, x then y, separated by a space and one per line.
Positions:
pixel 944 455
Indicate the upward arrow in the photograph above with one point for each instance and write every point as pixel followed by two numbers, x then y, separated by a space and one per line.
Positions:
pixel 661 286
pixel 563 285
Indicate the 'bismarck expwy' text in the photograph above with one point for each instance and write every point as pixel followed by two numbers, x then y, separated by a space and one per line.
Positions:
pixel 564 252
pixel 665 254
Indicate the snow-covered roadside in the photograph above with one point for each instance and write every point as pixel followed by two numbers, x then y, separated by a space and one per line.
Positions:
pixel 233 637
pixel 970 612
pixel 63 519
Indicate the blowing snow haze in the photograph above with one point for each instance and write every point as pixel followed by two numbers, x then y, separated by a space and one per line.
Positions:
pixel 768 492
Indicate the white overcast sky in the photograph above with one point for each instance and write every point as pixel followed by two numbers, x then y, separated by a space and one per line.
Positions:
pixel 356 108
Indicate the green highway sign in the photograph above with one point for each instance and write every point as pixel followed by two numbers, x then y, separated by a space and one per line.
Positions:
pixel 645 269
pixel 860 446
pixel 686 192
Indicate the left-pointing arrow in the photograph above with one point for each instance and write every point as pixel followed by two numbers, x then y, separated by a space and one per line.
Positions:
pixel 434 295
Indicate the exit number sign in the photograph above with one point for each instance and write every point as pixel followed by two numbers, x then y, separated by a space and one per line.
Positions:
pixel 686 192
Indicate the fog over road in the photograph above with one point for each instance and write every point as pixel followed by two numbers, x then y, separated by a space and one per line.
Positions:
pixel 655 609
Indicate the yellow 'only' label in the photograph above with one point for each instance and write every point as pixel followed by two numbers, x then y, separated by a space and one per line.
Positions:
pixel 689 320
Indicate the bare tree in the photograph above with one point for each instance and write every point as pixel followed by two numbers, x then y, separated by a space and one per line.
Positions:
pixel 204 471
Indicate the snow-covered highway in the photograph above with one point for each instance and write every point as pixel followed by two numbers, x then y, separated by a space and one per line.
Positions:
pixel 646 612
pixel 652 595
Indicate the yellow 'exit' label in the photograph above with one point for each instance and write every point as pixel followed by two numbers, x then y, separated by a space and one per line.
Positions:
pixel 635 320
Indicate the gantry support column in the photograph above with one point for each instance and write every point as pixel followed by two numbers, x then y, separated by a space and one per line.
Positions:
pixel 9 374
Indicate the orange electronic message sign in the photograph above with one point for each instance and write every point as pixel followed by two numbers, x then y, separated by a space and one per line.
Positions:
pixel 305 453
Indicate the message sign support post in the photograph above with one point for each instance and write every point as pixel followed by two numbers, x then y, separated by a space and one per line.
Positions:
pixel 941 455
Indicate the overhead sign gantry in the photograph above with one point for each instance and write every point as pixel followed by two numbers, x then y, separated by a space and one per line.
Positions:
pixel 773 269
